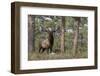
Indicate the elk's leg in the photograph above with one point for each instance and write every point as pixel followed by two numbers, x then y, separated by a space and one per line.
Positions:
pixel 43 49
pixel 50 49
pixel 40 49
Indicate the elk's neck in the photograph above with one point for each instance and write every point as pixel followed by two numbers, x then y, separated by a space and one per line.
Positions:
pixel 51 38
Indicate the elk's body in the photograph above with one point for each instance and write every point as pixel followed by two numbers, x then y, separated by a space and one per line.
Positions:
pixel 47 43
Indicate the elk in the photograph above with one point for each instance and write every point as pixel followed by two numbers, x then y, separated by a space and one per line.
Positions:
pixel 47 44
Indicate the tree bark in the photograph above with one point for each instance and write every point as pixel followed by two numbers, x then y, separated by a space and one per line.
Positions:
pixel 31 33
pixel 62 34
pixel 76 34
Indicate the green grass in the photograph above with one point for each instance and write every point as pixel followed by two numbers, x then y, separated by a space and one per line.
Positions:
pixel 35 55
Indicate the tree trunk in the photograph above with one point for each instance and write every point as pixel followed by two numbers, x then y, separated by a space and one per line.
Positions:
pixel 62 34
pixel 33 40
pixel 76 34
pixel 31 34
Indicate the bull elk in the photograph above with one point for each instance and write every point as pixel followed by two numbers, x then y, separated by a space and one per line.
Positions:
pixel 47 44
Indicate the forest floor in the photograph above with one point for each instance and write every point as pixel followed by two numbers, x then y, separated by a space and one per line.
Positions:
pixel 35 55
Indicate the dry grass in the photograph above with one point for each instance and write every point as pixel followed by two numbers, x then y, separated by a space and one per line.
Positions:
pixel 35 55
